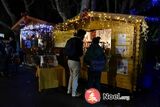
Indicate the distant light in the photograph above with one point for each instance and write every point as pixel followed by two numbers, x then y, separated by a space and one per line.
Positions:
pixel 1 35
pixel 155 2
pixel 152 19
pixel 133 12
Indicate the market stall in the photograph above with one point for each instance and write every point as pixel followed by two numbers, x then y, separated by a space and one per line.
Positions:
pixel 34 33
pixel 119 31
pixel 35 38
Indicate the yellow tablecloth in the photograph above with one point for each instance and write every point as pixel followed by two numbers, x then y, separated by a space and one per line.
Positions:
pixel 51 77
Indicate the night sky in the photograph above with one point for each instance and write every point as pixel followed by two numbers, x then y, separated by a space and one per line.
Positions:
pixel 42 9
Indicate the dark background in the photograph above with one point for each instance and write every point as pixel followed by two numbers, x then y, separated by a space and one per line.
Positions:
pixel 43 9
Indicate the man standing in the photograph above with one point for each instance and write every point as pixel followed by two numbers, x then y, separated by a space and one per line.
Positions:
pixel 3 59
pixel 74 50
pixel 12 43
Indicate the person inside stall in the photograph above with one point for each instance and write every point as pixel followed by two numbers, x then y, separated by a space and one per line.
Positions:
pixel 28 43
pixel 34 41
pixel 93 34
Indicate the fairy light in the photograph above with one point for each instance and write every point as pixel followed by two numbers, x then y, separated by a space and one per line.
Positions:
pixel 129 16
pixel 118 18
pixel 103 18
pixel 35 30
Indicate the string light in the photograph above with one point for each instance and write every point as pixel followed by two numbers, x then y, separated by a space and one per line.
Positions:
pixel 36 29
pixel 104 20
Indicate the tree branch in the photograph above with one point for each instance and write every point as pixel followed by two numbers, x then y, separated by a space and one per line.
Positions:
pixel 52 4
pixel 7 8
pixel 93 5
pixel 131 4
pixel 115 6
pixel 27 5
pixel 60 11
pixel 107 3
pixel 31 3
pixel 124 4
pixel 84 5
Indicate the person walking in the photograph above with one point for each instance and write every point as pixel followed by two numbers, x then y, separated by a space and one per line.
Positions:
pixel 95 59
pixel 74 50
pixel 12 43
pixel 3 59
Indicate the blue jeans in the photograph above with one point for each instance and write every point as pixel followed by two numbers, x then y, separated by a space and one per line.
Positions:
pixel 74 67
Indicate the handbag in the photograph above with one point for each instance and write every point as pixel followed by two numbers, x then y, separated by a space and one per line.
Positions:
pixel 97 65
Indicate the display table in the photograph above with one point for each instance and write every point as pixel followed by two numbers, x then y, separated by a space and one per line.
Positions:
pixel 51 77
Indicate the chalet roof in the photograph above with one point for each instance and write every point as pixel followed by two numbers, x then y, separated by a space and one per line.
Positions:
pixel 85 17
pixel 27 20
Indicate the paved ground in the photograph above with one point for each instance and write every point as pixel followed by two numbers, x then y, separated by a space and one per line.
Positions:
pixel 21 90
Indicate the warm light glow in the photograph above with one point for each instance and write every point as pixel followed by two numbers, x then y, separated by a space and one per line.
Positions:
pixel 118 18
pixel 35 30
pixel 105 20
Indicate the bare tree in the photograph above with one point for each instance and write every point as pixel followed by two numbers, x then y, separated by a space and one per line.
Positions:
pixel 59 9
pixel 124 5
pixel 27 4
pixel 131 3
pixel 52 4
pixel 107 3
pixel 84 5
pixel 93 5
pixel 63 7
pixel 8 10
pixel 115 6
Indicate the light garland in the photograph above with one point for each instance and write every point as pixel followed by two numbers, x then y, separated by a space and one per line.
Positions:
pixel 40 27
pixel 144 31
pixel 36 29
pixel 83 18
